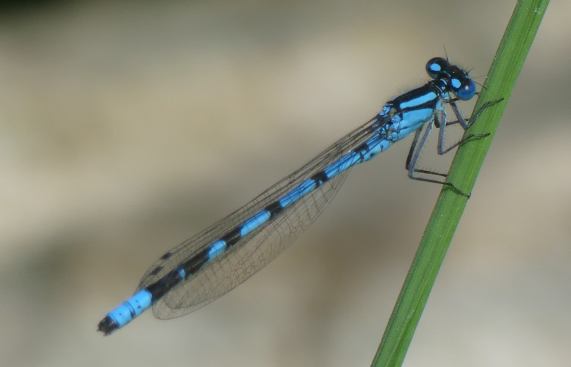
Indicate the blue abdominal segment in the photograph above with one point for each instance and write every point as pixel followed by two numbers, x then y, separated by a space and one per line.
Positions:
pixel 298 192
pixel 342 164
pixel 127 311
pixel 216 249
pixel 254 222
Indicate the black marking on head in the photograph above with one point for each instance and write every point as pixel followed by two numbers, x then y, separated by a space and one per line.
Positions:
pixel 436 66
pixel 156 270
pixel 450 78
pixel 166 255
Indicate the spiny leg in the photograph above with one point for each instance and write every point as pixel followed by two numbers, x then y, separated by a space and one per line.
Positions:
pixel 414 155
pixel 467 122
pixel 440 116
pixel 440 121
pixel 459 117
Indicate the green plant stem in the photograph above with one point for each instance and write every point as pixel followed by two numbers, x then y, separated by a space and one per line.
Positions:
pixel 464 170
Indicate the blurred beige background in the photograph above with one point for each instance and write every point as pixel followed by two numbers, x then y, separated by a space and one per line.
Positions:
pixel 125 128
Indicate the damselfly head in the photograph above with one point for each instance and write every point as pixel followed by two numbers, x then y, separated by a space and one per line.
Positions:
pixel 460 83
pixel 456 79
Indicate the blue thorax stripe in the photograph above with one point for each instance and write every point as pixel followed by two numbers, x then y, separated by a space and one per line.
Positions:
pixel 418 101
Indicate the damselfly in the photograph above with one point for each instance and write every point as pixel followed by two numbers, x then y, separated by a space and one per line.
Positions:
pixel 228 252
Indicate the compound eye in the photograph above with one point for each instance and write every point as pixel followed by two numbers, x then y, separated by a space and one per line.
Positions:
pixel 464 91
pixel 435 67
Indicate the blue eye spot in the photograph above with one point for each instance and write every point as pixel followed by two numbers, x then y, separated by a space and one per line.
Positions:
pixel 456 83
pixel 435 67
pixel 467 91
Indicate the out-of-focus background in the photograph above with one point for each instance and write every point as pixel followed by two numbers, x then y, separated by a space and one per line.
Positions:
pixel 127 127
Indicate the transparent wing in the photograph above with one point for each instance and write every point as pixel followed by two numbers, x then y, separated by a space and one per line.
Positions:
pixel 261 246
pixel 247 256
